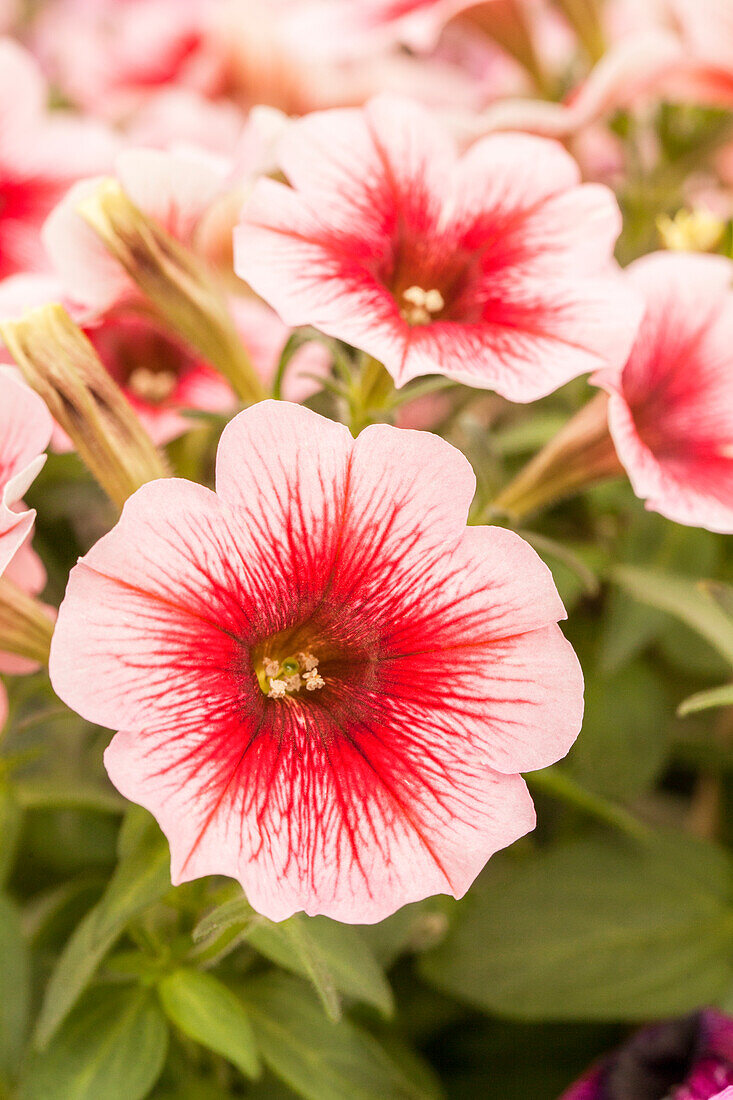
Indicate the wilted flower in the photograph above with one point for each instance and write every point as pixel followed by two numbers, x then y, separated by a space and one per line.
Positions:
pixel 325 684
pixel 686 1059
pixel 671 407
pixel 493 269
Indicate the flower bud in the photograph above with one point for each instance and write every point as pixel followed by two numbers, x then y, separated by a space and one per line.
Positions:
pixel 59 362
pixel 686 1059
pixel 25 624
pixel 175 281
pixel 581 454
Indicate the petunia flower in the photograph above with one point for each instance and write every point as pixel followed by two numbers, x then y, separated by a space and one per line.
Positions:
pixel 493 269
pixel 685 1059
pixel 25 429
pixel 325 684
pixel 41 154
pixel 670 408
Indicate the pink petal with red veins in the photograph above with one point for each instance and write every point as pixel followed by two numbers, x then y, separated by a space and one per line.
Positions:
pixel 519 255
pixel 25 429
pixel 671 408
pixel 379 787
pixel 307 819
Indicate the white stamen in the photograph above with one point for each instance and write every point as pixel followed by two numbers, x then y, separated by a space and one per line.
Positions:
pixel 307 662
pixel 422 304
pixel 313 681
pixel 151 385
pixel 278 688
pixel 271 667
pixel 294 682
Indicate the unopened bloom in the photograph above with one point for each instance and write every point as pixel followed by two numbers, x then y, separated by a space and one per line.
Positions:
pixel 41 154
pixel 494 269
pixel 686 1059
pixel 25 429
pixel 671 406
pixel 326 685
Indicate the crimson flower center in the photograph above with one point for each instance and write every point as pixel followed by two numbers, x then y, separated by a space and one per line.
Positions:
pixel 143 358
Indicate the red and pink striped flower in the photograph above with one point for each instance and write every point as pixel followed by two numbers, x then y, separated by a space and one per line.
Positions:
pixel 494 269
pixel 326 686
pixel 671 406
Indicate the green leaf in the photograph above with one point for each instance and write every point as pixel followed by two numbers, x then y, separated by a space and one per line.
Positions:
pixel 141 878
pixel 703 700
pixel 206 1010
pixel 318 1059
pixel 626 734
pixel 113 1046
pixel 47 794
pixel 323 943
pixel 11 819
pixel 683 598
pixel 315 947
pixel 14 986
pixel 595 929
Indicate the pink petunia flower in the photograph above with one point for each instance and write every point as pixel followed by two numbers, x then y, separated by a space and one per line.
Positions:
pixel 159 373
pixel 493 269
pixel 685 1059
pixel 671 406
pixel 25 429
pixel 325 684
pixel 41 154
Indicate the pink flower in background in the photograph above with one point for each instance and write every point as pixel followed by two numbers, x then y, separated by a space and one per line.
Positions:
pixel 41 154
pixel 109 56
pixel 25 429
pixel 494 269
pixel 325 683
pixel 685 1059
pixel 671 406
pixel 158 372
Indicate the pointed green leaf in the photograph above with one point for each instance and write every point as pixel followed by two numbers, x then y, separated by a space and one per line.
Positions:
pixel 714 697
pixel 113 1046
pixel 318 1059
pixel 14 986
pixel 596 929
pixel 314 944
pixel 683 598
pixel 141 878
pixel 206 1010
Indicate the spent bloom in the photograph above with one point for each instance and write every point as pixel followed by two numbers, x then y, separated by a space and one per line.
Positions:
pixel 493 269
pixel 684 1059
pixel 671 406
pixel 325 684
pixel 25 429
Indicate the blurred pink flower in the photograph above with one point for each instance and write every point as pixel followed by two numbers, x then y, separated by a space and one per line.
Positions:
pixel 671 406
pixel 494 269
pixel 685 1059
pixel 41 154
pixel 25 429
pixel 159 373
pixel 109 56
pixel 326 684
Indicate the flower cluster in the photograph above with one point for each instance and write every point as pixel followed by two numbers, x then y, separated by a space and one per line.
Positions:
pixel 356 331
